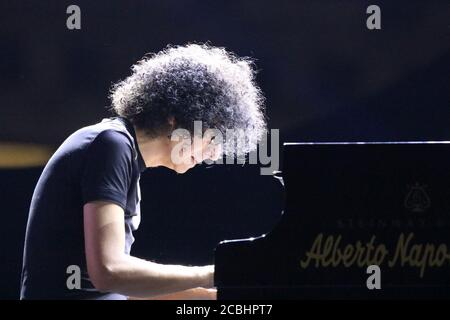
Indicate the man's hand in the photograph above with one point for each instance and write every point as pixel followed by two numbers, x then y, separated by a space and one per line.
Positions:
pixel 209 276
pixel 191 294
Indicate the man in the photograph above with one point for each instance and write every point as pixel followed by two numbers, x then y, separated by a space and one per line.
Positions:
pixel 86 202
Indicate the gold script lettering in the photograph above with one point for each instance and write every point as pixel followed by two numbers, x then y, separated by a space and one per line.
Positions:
pixel 326 251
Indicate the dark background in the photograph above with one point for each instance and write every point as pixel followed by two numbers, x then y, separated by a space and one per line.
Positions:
pixel 326 77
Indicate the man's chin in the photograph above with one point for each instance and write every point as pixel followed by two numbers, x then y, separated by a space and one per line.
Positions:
pixel 184 169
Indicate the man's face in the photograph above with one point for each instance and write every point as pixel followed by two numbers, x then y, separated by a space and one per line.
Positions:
pixel 185 155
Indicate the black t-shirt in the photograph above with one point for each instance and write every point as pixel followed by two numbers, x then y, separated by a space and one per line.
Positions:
pixel 98 162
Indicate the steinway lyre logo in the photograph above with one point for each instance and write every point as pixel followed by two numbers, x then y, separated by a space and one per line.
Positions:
pixel 417 199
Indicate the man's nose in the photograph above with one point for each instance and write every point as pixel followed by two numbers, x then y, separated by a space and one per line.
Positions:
pixel 214 153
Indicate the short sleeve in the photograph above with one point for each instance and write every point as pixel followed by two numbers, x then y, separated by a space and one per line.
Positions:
pixel 107 169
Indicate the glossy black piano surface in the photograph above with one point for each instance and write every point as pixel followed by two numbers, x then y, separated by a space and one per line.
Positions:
pixel 348 206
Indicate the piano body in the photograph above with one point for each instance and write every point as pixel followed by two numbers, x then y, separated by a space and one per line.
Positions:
pixel 348 206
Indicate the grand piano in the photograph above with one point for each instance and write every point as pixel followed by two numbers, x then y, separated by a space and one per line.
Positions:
pixel 349 206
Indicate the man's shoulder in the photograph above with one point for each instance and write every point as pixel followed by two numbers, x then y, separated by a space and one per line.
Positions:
pixel 105 136
pixel 112 138
pixel 110 131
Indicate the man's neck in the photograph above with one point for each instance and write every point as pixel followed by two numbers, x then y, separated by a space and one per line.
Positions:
pixel 155 151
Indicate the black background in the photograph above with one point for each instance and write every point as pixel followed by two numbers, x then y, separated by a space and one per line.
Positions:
pixel 326 77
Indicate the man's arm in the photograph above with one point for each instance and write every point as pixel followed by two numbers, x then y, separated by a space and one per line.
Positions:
pixel 190 294
pixel 111 270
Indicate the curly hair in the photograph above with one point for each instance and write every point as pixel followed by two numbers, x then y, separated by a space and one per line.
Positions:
pixel 189 83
